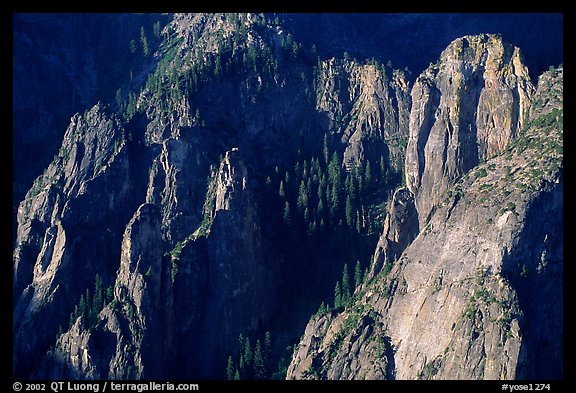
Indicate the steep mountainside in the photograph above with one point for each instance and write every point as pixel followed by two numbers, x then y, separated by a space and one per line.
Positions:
pixel 233 177
pixel 232 100
pixel 457 303
pixel 61 65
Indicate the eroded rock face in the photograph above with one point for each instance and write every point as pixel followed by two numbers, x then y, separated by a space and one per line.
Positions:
pixel 460 301
pixel 74 210
pixel 240 268
pixel 369 105
pixel 129 341
pixel 400 228
pixel 164 205
pixel 465 108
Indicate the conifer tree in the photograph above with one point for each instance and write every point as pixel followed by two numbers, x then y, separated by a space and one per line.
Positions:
pixel 267 349
pixel 357 275
pixel 144 41
pixel 287 214
pixel 349 213
pixel 346 294
pixel 230 369
pixel 337 295
pixel 259 368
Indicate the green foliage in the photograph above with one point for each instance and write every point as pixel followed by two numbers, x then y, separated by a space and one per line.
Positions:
pixel 357 275
pixel 91 303
pixel 132 46
pixel 337 295
pixel 230 370
pixel 259 367
pixel 481 172
pixel 156 29
pixel 428 371
pixel 253 362
pixel 549 119
pixel 346 293
pixel 287 214
pixel 144 42
pixel 349 213
pixel 173 269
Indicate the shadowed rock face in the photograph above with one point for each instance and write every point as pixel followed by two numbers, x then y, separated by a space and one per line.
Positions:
pixel 465 109
pixel 456 304
pixel 197 157
pixel 166 198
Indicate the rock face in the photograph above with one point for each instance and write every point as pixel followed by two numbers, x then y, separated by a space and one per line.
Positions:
pixel 456 304
pixel 128 341
pixel 370 106
pixel 400 228
pixel 465 109
pixel 167 202
pixel 76 208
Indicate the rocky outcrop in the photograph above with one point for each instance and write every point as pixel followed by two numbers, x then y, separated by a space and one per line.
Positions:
pixel 241 279
pixel 400 228
pixel 128 341
pixel 460 301
pixel 368 105
pixel 173 202
pixel 73 211
pixel 465 108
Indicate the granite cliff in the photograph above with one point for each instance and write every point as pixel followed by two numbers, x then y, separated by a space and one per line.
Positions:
pixel 453 302
pixel 205 211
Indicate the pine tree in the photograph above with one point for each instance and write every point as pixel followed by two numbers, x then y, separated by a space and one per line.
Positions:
pixel 118 99
pixel 320 192
pixel 302 201
pixel 325 150
pixel 73 317
pixel 144 41
pixel 241 368
pixel 156 29
pixel 357 275
pixel 98 300
pixel 281 191
pixel 346 295
pixel 248 354
pixel 352 187
pixel 132 45
pixel 237 375
pixel 334 201
pixel 248 360
pixel 320 209
pixel 337 295
pixel 109 294
pixel 349 213
pixel 267 349
pixel 89 315
pixel 230 369
pixel 259 368
pixel 360 181
pixel 334 169
pixel 368 175
pixel 287 214
pixel 82 306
